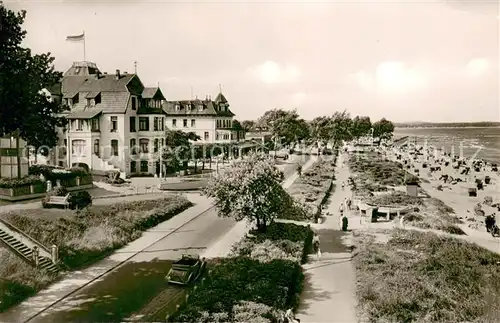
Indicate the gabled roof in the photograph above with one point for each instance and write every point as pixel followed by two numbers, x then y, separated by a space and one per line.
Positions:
pixel 150 92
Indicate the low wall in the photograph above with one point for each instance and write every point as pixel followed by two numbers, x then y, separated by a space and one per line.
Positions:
pixel 39 190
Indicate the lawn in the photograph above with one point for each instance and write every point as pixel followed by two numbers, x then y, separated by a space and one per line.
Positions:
pixel 421 277
pixel 92 233
pixel 83 238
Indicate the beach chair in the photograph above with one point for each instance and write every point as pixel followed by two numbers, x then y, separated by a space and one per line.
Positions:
pixel 487 180
pixel 472 192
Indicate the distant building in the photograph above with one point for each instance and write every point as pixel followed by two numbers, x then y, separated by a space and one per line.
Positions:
pixel 13 153
pixel 116 123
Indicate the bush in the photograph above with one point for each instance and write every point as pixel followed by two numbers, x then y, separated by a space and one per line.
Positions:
pixel 59 191
pixel 276 284
pixel 52 173
pixel 79 200
pixel 15 182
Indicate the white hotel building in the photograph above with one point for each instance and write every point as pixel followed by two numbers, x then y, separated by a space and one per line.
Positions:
pixel 110 113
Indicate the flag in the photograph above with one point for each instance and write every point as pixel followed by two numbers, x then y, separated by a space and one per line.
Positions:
pixel 76 38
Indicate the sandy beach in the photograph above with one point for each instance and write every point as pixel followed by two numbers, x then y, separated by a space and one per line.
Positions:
pixel 455 190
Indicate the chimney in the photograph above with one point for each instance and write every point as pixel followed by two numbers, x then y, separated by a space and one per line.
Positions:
pixel 117 74
pixel 206 97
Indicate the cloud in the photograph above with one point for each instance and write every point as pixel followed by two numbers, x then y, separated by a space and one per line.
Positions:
pixel 272 73
pixel 478 66
pixel 391 78
pixel 299 98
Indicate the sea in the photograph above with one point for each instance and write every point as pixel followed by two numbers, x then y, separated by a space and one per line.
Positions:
pixel 477 142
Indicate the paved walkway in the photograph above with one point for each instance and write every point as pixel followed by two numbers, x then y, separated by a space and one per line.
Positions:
pixel 330 288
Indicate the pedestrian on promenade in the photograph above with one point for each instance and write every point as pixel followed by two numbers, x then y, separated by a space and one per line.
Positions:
pixel 343 184
pixel 341 211
pixel 316 245
pixel 345 223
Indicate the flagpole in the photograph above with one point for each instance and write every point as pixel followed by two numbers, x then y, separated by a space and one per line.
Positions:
pixel 84 54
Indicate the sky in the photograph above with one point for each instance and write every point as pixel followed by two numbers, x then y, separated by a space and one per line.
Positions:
pixel 403 60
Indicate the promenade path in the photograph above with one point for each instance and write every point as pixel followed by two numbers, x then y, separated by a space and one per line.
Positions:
pixel 330 287
pixel 121 283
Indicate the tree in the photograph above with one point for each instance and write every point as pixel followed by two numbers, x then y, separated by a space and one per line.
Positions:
pixel 383 129
pixel 178 148
pixel 250 189
pixel 361 126
pixel 285 126
pixel 321 128
pixel 341 126
pixel 23 76
pixel 248 125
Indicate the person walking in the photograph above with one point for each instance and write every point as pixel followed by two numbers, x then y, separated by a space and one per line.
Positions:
pixel 316 246
pixel 341 212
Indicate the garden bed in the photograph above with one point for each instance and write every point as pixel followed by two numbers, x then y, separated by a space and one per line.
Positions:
pixel 422 277
pixel 312 188
pixel 262 279
pixel 32 186
pixel 374 173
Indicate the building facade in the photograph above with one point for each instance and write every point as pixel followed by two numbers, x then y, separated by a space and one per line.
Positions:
pixel 116 123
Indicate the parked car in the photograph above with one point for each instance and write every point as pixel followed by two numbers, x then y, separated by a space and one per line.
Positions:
pixel 186 270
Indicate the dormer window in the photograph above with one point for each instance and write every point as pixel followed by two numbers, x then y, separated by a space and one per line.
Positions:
pixel 97 99
pixel 200 107
pixel 89 102
pixel 177 107
pixel 188 107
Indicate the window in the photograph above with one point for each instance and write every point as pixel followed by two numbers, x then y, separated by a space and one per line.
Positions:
pixel 216 135
pixel 144 124
pixel 177 107
pixel 162 124
pixel 134 103
pixel 65 142
pixel 133 166
pixel 114 124
pixel 89 102
pixel 132 124
pixel 144 166
pixel 60 163
pixel 193 123
pixel 96 147
pixel 78 148
pixel 133 149
pixel 156 124
pixel 200 107
pixel 156 144
pixel 207 135
pixel 232 136
pixel 97 99
pixel 174 123
pixel 75 99
pixel 218 123
pixel 162 142
pixel 114 147
pixel 144 144
pixel 79 125
pixel 95 124
pixel 185 123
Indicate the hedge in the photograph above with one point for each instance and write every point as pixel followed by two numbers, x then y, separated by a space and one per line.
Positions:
pixel 287 231
pixel 277 284
pixel 234 281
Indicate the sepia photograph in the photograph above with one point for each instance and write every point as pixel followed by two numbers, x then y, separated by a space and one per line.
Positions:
pixel 249 161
